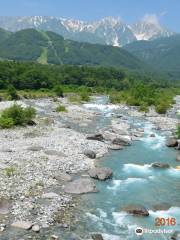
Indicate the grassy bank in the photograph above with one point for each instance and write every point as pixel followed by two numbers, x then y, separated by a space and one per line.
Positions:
pixel 144 96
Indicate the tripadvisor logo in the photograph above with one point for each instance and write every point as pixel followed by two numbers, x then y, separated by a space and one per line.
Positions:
pixel 139 231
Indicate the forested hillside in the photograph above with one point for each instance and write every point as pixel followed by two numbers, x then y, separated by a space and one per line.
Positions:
pixel 161 54
pixel 49 47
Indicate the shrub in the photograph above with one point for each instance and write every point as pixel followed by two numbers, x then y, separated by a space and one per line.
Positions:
pixel 61 108
pixel 58 91
pixel 12 93
pixel 162 107
pixel 16 116
pixel 144 108
pixel 84 96
pixel 9 172
pixel 74 98
pixel 6 122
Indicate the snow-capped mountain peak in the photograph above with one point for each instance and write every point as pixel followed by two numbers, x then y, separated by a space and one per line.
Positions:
pixel 109 30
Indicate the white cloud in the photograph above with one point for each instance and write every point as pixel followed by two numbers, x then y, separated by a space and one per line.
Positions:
pixel 151 18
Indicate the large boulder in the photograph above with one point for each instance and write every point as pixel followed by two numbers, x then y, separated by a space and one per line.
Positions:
pixel 136 210
pixel 90 154
pixel 176 236
pixel 97 236
pixel 160 165
pixel 62 177
pixel 97 137
pixel 115 147
pixel 100 173
pixel 178 157
pixel 80 186
pixel 120 127
pixel 172 142
pixel 22 225
pixel 122 141
pixel 109 135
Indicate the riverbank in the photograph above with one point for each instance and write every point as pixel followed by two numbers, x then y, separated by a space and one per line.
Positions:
pixel 37 162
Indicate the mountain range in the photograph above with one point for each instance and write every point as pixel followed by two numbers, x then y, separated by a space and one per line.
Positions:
pixel 107 31
pixel 49 47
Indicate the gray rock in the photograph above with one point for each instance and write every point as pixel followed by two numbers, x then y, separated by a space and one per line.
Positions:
pixel 64 177
pixel 152 135
pixel 90 154
pixel 97 236
pixel 172 142
pixel 136 210
pixel 80 186
pixel 122 141
pixel 74 237
pixel 36 228
pixel 100 173
pixel 178 147
pixel 115 147
pixel 35 148
pixel 32 123
pixel 4 206
pixel 97 137
pixel 178 157
pixel 54 237
pixel 176 236
pixel 160 165
pixel 7 150
pixel 22 225
pixel 50 195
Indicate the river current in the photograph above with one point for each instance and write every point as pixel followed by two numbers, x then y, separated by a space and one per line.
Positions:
pixel 134 182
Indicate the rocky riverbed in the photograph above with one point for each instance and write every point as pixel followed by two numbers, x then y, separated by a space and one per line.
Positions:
pixel 43 166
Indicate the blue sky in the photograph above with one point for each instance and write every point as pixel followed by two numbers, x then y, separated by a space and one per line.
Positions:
pixel 167 11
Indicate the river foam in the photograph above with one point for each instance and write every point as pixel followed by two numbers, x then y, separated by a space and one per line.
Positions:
pixel 172 212
pixel 115 184
pixel 101 107
pixel 143 170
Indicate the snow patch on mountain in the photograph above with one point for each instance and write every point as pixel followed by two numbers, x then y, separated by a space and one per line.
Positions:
pixel 109 30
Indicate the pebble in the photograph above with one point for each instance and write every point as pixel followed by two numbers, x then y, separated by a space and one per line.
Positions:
pixel 36 228
pixel 54 237
pixel 50 195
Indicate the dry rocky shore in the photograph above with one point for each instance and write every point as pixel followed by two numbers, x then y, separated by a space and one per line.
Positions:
pixel 43 167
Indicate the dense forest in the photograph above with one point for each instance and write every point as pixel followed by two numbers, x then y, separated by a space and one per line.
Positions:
pixel 35 76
